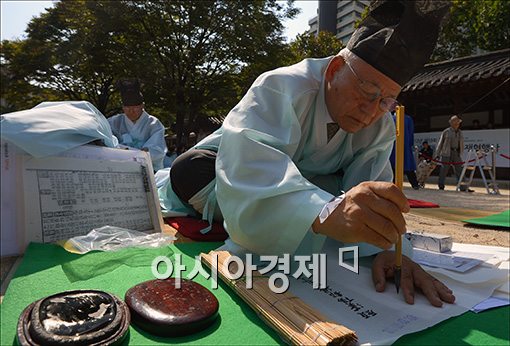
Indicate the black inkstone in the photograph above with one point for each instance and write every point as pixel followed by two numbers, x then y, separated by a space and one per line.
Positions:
pixel 83 317
pixel 160 308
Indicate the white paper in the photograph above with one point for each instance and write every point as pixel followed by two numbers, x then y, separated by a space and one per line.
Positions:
pixel 503 291
pixel 58 197
pixel 490 303
pixel 92 152
pixel 453 260
pixel 72 202
pixel 481 276
pixel 505 288
pixel 501 294
pixel 501 253
pixel 381 318
pixel 9 240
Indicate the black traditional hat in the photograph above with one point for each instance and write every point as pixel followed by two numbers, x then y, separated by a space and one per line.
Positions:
pixel 130 92
pixel 398 37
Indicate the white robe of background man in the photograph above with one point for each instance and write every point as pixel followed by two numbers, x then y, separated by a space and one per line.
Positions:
pixel 147 132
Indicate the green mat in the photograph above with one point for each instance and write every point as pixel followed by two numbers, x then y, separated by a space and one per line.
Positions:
pixel 499 220
pixel 43 272
pixel 47 269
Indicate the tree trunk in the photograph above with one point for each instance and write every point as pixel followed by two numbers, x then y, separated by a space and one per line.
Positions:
pixel 179 121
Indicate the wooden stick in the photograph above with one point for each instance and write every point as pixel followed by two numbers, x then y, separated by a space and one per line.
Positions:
pixel 399 180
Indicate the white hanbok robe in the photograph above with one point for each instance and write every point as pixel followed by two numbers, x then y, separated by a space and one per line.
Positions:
pixel 147 132
pixel 54 127
pixel 273 154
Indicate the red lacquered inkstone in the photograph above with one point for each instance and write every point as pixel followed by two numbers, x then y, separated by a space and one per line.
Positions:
pixel 160 308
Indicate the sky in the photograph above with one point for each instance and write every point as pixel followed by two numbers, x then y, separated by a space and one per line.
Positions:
pixel 15 15
pixel 300 23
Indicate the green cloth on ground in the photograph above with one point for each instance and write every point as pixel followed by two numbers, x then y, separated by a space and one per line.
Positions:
pixel 41 274
pixel 500 220
pixel 485 328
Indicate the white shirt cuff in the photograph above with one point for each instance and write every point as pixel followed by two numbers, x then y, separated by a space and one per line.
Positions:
pixel 330 207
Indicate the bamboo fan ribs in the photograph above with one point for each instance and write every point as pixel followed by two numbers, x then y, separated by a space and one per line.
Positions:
pixel 295 321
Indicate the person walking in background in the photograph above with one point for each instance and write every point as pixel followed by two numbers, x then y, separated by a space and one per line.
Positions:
pixel 136 128
pixel 449 148
pixel 409 161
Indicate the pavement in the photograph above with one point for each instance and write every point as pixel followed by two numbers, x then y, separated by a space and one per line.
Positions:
pixel 479 199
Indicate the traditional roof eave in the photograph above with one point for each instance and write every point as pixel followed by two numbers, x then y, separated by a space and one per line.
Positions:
pixel 461 70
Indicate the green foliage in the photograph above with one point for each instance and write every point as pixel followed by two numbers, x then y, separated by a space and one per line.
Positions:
pixel 473 24
pixel 364 14
pixel 65 56
pixel 194 58
pixel 197 48
pixel 308 45
pixel 16 91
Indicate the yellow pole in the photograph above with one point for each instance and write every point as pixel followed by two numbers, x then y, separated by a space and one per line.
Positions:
pixel 399 179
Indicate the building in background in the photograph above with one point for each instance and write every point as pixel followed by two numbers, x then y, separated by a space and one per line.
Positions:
pixel 475 87
pixel 338 17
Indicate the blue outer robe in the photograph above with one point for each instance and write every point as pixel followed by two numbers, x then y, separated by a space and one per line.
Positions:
pixel 273 155
pixel 147 132
pixel 409 160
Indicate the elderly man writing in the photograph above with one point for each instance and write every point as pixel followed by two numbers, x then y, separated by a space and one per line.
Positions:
pixel 277 168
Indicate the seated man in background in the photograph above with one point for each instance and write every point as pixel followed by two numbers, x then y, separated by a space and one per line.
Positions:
pixel 170 156
pixel 302 134
pixel 136 128
pixel 426 151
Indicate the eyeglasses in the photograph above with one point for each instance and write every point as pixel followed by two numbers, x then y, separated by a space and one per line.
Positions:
pixel 373 92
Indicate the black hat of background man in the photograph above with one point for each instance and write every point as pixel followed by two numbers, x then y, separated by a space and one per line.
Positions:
pixel 398 37
pixel 130 92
